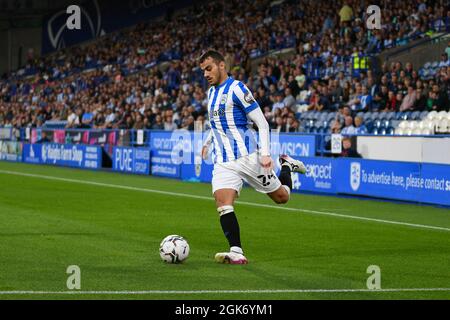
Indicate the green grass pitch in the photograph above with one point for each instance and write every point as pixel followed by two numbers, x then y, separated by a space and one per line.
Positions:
pixel 113 235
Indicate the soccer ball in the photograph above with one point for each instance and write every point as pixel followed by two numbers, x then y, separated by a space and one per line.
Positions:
pixel 174 249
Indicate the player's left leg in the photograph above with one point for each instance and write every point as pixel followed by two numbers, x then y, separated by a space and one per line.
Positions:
pixel 226 185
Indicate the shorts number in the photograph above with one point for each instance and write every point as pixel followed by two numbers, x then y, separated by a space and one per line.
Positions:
pixel 265 179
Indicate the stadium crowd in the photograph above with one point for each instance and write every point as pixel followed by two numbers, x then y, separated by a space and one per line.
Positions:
pixel 117 81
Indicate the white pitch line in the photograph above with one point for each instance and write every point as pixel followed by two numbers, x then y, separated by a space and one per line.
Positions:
pixel 175 292
pixel 186 195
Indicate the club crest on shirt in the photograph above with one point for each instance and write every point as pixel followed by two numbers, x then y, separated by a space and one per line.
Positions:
pixel 223 99
pixel 248 98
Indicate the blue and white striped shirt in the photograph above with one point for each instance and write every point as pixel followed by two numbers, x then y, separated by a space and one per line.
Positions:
pixel 231 129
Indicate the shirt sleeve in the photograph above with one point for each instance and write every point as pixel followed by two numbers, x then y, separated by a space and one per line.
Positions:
pixel 243 98
pixel 264 130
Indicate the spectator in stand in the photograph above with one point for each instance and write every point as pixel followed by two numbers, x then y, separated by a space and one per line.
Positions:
pixel 279 125
pixel 158 125
pixel 345 14
pixel 139 122
pixel 355 98
pixel 44 138
pixel 365 99
pixel 188 123
pixel 289 100
pixel 324 100
pixel 348 129
pixel 262 98
pixel 169 125
pixel 314 100
pixel 442 102
pixel 87 118
pixel 99 121
pixel 347 150
pixel 421 100
pixel 279 104
pixel 74 119
pixel 360 128
pixel 409 100
pixel 109 118
pixel 398 100
pixel 380 99
pixel 391 103
pixel 290 124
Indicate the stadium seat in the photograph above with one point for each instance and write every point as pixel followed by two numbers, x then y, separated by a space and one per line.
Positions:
pixel 417 131
pixel 330 117
pixel 390 115
pixel 369 125
pixel 374 115
pixel 423 115
pixel 318 116
pixel 415 115
pixel 443 126
pixel 318 124
pixel 428 124
pixel 432 114
pixel 367 116
pixel 399 131
pixel 403 124
pixel 399 116
pixel 413 125
pixel 382 116
pixel 390 131
pixel 435 123
pixel 407 115
pixel 323 116
pixel 360 114
pixel 408 132
pixel 426 131
pixel 442 115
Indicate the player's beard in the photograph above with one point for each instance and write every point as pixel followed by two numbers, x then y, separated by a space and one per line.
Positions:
pixel 215 80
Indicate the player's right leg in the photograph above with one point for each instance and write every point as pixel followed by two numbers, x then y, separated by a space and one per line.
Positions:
pixel 264 181
pixel 288 165
pixel 226 187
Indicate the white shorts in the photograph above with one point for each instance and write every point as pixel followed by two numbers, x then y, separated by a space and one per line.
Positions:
pixel 232 174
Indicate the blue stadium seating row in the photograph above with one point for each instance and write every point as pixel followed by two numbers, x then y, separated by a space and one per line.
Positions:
pixel 378 123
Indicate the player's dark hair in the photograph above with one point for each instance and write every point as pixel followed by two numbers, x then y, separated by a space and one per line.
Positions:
pixel 215 55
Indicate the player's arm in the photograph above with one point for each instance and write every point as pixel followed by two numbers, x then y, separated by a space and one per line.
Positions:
pixel 244 98
pixel 206 145
pixel 257 117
